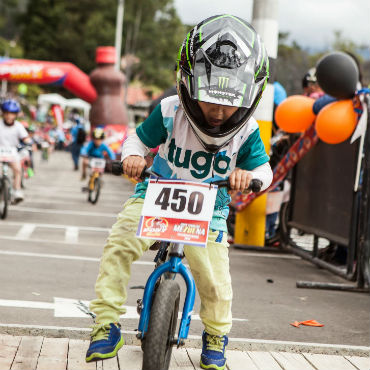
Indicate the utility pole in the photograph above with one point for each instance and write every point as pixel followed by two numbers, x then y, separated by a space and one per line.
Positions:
pixel 251 222
pixel 118 39
pixel 4 83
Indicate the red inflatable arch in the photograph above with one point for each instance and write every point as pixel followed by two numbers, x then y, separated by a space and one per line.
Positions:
pixel 49 73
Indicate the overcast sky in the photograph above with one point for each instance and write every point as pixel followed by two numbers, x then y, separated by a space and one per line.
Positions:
pixel 310 22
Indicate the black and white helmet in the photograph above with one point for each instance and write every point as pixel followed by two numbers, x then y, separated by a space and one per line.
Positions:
pixel 309 77
pixel 222 61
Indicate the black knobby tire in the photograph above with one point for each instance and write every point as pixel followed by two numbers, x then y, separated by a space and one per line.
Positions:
pixel 22 177
pixel 284 228
pixel 366 262
pixel 94 194
pixel 162 327
pixel 4 197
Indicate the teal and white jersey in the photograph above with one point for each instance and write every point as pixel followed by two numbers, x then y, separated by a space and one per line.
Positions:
pixel 181 156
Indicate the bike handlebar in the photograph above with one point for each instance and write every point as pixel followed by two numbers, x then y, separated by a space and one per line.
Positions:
pixel 254 186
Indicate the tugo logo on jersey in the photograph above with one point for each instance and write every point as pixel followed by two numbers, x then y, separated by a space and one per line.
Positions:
pixel 200 161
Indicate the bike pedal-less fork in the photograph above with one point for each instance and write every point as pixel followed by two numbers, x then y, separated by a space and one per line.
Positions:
pixel 170 268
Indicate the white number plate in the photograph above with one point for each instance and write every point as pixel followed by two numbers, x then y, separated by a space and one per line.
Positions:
pixel 178 211
pixel 8 154
pixel 97 163
pixel 24 154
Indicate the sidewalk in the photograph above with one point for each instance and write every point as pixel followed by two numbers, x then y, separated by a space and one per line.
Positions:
pixel 45 353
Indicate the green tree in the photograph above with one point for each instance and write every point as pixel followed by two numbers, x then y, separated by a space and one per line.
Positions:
pixel 154 33
pixel 65 30
pixel 8 11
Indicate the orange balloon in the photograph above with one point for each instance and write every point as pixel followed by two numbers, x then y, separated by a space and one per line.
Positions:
pixel 336 122
pixel 295 113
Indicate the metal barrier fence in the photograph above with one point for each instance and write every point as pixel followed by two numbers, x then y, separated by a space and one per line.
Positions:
pixel 326 204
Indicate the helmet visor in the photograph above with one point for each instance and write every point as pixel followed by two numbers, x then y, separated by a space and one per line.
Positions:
pixel 233 87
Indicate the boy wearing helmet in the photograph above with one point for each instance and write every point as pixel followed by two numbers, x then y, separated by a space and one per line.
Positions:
pixel 95 148
pixel 12 132
pixel 206 133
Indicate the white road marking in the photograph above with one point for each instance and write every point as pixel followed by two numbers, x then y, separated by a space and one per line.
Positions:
pixel 66 257
pixel 83 201
pixel 73 189
pixel 49 241
pixel 67 307
pixel 71 235
pixel 266 255
pixel 25 231
pixel 64 212
pixel 56 226
pixel 26 304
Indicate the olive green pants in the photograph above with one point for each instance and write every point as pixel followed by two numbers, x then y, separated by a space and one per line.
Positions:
pixel 209 267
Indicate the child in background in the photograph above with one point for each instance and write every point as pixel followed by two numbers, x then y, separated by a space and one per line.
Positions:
pixel 96 149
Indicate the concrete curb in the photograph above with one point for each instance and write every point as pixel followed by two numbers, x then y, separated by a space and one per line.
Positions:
pixel 242 344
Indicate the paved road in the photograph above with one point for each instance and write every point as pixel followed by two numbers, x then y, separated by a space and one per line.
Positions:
pixel 51 243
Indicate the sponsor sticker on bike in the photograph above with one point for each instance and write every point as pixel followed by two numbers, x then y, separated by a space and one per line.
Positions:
pixel 177 211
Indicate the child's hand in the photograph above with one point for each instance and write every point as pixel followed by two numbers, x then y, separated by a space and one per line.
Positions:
pixel 133 166
pixel 239 179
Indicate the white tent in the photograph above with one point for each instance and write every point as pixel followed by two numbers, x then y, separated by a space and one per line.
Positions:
pixel 79 104
pixel 50 99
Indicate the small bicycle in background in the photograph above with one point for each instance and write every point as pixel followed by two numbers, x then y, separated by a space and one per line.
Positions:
pixel 97 167
pixel 45 150
pixel 160 304
pixel 25 158
pixel 6 155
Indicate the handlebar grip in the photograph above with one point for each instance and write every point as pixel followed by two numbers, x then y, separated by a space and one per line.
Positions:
pixel 255 185
pixel 117 168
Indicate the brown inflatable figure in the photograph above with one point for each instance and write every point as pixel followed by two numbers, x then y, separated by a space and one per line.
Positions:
pixel 108 108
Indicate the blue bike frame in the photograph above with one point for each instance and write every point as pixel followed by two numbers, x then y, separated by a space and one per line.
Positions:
pixel 173 265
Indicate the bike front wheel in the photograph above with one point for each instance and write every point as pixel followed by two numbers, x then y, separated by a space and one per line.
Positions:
pixel 4 197
pixel 95 192
pixel 162 327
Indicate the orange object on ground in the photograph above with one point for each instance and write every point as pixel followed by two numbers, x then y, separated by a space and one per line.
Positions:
pixel 306 323
pixel 295 323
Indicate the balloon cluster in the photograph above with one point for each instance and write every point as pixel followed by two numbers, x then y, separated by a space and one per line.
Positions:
pixel 337 74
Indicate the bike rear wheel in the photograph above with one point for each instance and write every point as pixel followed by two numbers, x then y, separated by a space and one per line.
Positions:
pixel 4 197
pixel 45 154
pixel 162 327
pixel 95 192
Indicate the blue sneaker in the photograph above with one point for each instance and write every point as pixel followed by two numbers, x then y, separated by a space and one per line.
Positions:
pixel 106 340
pixel 213 351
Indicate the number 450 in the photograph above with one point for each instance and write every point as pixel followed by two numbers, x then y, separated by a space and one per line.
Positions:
pixel 180 201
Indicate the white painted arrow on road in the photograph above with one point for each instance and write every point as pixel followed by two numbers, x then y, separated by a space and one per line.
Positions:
pixel 67 307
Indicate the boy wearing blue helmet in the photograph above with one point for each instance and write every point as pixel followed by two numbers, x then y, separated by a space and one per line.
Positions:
pixel 205 133
pixel 12 133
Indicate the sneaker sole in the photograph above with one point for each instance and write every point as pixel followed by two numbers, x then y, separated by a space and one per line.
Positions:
pixel 96 356
pixel 212 366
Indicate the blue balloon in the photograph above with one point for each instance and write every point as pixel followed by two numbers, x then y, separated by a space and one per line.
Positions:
pixel 279 93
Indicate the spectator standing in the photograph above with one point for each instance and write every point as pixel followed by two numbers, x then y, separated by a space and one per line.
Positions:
pixel 78 139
